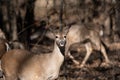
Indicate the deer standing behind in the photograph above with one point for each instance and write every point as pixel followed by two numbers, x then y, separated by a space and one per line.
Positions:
pixel 22 64
pixel 83 34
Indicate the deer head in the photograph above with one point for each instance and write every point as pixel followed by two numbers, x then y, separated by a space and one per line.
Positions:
pixel 60 31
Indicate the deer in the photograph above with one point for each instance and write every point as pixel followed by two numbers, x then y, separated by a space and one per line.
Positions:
pixel 24 65
pixel 4 44
pixel 4 47
pixel 84 34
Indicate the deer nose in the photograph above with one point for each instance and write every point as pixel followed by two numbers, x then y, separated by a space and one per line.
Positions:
pixel 62 43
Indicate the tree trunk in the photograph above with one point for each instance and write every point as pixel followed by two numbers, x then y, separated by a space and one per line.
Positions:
pixel 117 13
pixel 12 12
pixel 5 18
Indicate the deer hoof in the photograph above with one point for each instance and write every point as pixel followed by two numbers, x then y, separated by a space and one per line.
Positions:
pixel 106 64
pixel 80 66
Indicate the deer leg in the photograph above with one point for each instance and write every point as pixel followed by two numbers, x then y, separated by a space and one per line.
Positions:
pixel 67 53
pixel 89 51
pixel 73 59
pixel 103 51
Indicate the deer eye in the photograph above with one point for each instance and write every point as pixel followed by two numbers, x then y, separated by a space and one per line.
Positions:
pixel 64 36
pixel 56 36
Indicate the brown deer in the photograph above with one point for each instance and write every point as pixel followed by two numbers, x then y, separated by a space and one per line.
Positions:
pixel 84 34
pixel 19 63
pixel 4 46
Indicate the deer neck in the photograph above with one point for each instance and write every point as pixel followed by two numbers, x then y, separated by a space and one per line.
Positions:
pixel 58 50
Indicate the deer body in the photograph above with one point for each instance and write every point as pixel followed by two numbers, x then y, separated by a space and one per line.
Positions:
pixel 23 65
pixel 80 33
pixel 46 66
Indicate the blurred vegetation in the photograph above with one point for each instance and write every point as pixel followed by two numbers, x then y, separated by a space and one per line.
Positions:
pixel 19 19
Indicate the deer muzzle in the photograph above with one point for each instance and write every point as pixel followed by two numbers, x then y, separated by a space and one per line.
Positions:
pixel 62 43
